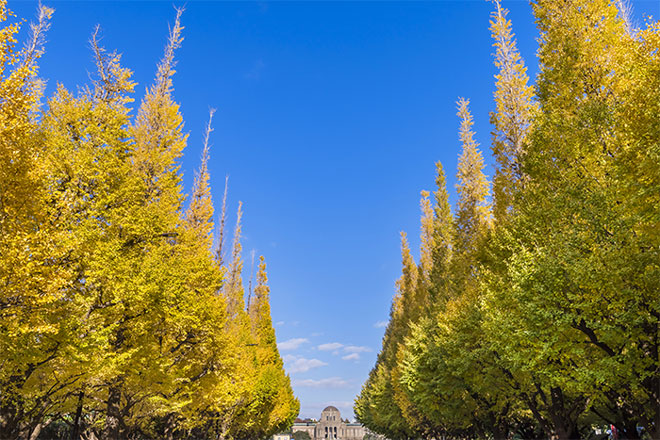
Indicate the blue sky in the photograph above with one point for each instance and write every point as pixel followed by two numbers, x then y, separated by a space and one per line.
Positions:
pixel 329 119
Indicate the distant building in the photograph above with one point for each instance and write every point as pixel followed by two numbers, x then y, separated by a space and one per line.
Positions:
pixel 330 427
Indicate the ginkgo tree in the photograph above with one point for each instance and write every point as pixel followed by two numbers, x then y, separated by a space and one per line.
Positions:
pixel 543 320
pixel 117 319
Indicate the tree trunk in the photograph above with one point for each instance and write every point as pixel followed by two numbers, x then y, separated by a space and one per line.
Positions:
pixel 655 401
pixel 113 413
pixel 11 405
pixel 499 433
pixel 564 419
pixel 170 426
pixel 75 432
pixel 37 430
pixel 9 421
pixel 113 416
pixel 565 431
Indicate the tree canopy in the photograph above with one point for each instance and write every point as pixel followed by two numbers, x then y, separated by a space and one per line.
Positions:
pixel 541 316
pixel 118 318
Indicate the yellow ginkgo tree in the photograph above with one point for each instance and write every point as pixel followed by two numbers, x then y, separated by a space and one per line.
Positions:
pixel 117 318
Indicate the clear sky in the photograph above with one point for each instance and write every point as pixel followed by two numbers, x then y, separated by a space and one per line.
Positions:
pixel 329 119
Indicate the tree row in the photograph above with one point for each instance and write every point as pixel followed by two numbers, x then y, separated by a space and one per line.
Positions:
pixel 120 314
pixel 535 312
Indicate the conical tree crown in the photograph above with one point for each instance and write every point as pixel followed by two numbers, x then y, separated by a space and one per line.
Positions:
pixel 407 285
pixel 513 113
pixel 157 132
pixel 20 93
pixel 473 212
pixel 427 238
pixel 233 289
pixel 219 246
pixel 199 215
pixel 259 310
pixel 443 238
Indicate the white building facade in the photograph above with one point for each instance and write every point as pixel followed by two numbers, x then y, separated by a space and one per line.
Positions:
pixel 331 427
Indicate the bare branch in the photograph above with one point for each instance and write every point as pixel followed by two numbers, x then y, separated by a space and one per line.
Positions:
pixel 34 47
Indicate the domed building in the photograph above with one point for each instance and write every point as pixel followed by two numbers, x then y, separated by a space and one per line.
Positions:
pixel 330 427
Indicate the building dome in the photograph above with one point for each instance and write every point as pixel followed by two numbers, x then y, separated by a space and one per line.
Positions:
pixel 331 427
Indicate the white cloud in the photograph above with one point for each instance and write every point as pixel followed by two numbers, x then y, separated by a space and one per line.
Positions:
pixel 292 344
pixel 328 382
pixel 278 323
pixel 380 324
pixel 351 357
pixel 298 364
pixel 356 349
pixel 330 346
